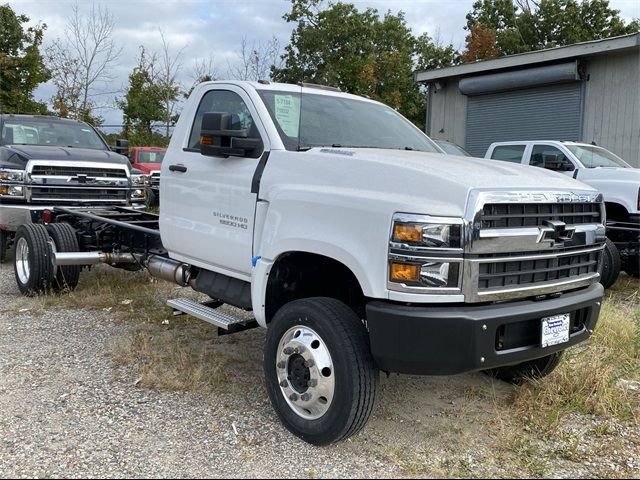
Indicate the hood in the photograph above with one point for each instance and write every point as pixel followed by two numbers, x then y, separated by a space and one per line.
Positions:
pixel 40 152
pixel 413 182
pixel 617 174
pixel 148 167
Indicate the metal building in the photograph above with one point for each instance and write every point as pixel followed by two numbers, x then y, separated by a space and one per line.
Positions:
pixel 587 91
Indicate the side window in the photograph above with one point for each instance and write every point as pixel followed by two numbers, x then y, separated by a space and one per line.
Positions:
pixel 223 101
pixel 551 158
pixel 508 153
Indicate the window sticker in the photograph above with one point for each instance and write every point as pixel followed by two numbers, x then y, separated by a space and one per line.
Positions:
pixel 288 113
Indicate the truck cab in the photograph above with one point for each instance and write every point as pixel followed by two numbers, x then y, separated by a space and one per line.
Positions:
pixel 354 242
pixel 596 166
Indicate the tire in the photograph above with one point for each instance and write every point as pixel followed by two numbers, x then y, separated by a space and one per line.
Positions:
pixel 610 264
pixel 531 370
pixel 65 240
pixel 346 377
pixel 33 267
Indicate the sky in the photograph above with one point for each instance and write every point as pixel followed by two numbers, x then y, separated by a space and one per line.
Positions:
pixel 215 28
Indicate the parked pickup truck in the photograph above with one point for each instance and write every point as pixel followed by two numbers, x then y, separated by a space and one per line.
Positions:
pixel 47 161
pixel 149 161
pixel 618 182
pixel 353 241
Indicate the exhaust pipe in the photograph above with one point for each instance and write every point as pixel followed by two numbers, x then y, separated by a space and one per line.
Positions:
pixel 91 258
pixel 158 266
pixel 168 269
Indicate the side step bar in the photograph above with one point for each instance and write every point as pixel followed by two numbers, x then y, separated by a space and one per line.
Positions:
pixel 208 314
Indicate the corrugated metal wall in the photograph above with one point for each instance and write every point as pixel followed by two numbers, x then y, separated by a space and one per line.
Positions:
pixel 612 104
pixel 542 113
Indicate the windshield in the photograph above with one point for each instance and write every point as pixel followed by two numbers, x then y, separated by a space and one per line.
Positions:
pixel 150 157
pixel 452 149
pixel 41 131
pixel 328 120
pixel 592 157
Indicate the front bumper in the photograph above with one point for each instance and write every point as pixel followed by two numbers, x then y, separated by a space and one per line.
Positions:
pixel 445 340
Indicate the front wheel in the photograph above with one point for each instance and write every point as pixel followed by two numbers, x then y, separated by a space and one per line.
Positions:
pixel 531 370
pixel 320 375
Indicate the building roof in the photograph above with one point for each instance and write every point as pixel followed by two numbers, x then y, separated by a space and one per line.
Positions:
pixel 584 49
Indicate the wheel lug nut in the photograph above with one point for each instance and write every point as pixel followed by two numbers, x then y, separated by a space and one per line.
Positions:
pixel 312 383
pixel 281 364
pixel 305 397
pixel 293 397
pixel 284 383
pixel 309 363
pixel 287 351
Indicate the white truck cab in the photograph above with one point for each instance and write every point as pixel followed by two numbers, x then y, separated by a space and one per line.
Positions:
pixel 596 166
pixel 354 241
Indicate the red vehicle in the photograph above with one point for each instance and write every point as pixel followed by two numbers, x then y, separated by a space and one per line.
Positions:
pixel 148 160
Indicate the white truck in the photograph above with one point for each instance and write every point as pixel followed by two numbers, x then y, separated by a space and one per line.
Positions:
pixel 353 241
pixel 618 182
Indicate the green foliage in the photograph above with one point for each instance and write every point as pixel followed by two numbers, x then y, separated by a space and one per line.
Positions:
pixel 143 103
pixel 21 65
pixel 525 26
pixel 360 52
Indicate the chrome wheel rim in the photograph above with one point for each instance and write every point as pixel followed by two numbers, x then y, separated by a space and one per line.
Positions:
pixel 23 268
pixel 305 372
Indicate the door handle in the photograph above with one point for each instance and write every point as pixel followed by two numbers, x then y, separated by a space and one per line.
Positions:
pixel 177 168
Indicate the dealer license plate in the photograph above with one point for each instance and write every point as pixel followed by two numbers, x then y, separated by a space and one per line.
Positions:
pixel 555 329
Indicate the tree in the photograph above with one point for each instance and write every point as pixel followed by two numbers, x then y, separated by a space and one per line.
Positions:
pixel 256 61
pixel 82 62
pixel 143 102
pixel 481 44
pixel 526 25
pixel 167 81
pixel 360 52
pixel 203 70
pixel 21 65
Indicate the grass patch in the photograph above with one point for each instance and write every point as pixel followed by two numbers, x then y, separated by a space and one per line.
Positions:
pixel 183 357
pixel 593 378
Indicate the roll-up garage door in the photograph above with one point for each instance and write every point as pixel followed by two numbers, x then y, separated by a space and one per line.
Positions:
pixel 551 112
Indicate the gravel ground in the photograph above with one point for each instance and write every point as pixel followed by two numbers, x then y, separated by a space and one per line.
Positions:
pixel 67 411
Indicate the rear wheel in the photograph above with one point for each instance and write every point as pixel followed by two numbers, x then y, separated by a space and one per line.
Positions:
pixel 632 266
pixel 531 370
pixel 320 375
pixel 610 264
pixel 33 266
pixel 65 240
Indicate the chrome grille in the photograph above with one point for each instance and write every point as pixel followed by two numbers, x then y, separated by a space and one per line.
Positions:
pixel 536 269
pixel 155 178
pixel 77 182
pixel 72 171
pixel 509 215
pixel 521 244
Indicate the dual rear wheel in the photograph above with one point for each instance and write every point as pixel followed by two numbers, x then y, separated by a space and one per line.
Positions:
pixel 34 267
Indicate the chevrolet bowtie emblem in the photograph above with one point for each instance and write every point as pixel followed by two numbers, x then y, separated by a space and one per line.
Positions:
pixel 555 231
pixel 82 178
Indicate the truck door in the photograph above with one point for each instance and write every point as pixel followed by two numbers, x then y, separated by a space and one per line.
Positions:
pixel 551 158
pixel 208 218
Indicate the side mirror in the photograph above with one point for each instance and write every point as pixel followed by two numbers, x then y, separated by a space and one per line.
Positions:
pixel 122 146
pixel 218 139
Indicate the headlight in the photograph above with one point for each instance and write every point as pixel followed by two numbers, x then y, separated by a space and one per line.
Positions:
pixel 138 179
pixel 428 232
pixel 9 175
pixel 425 254
pixel 11 191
